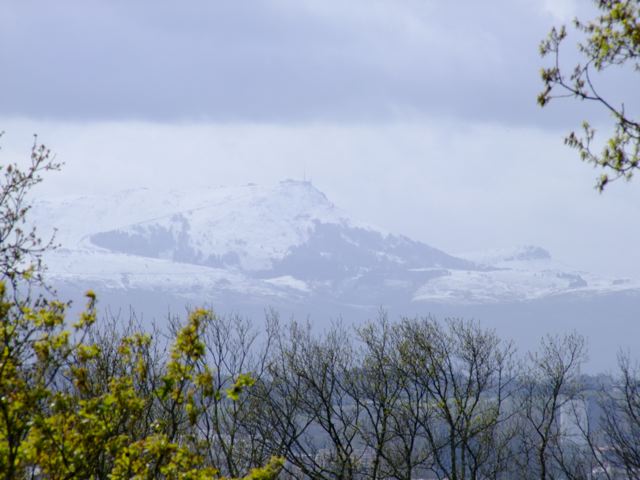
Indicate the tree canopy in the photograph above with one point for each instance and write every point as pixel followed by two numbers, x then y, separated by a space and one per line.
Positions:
pixel 612 39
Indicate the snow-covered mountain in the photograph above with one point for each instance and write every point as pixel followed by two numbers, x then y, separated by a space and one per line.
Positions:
pixel 286 242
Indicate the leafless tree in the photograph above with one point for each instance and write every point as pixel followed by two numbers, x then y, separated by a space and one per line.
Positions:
pixel 466 373
pixel 551 389
pixel 621 420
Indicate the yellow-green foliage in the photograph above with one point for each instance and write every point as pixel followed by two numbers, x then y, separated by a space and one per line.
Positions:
pixel 59 422
pixel 611 39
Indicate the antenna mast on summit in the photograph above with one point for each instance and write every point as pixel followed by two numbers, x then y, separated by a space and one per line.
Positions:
pixel 304 174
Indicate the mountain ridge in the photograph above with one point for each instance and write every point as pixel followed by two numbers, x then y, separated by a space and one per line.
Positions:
pixel 285 240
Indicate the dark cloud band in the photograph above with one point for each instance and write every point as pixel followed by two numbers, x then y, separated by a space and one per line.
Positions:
pixel 272 61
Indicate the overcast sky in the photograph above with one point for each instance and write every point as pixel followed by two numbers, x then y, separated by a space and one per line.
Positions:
pixel 415 115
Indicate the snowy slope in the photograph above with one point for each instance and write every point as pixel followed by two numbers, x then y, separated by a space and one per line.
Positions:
pixel 285 241
pixel 272 219
pixel 516 274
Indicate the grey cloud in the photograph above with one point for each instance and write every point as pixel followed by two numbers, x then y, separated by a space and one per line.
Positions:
pixel 278 60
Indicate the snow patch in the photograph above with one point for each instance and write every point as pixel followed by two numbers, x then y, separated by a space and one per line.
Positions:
pixel 289 282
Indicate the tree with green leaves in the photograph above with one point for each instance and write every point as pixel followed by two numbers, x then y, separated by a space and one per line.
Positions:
pixel 611 40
